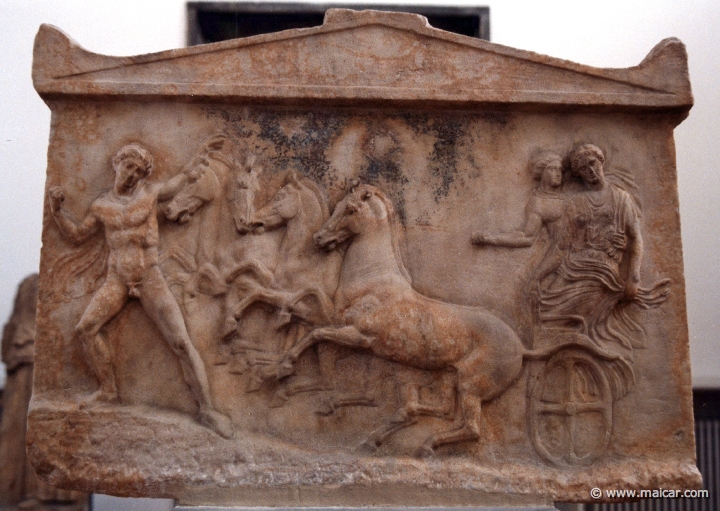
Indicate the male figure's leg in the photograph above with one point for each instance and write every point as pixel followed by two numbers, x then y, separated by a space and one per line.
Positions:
pixel 104 305
pixel 163 310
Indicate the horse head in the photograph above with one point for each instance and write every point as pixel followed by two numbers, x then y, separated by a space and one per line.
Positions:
pixel 363 208
pixel 293 198
pixel 202 187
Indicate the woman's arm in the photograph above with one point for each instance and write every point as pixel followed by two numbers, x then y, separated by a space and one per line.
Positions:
pixel 517 239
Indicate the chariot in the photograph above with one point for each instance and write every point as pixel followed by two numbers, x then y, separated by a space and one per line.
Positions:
pixel 571 394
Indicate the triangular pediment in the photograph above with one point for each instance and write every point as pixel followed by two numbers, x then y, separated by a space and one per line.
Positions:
pixel 365 55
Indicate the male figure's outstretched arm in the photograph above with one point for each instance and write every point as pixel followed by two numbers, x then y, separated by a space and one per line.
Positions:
pixel 192 172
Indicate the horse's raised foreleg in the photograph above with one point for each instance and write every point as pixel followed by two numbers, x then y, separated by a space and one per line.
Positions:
pixel 344 336
pixel 233 313
pixel 264 295
pixel 255 268
pixel 326 308
pixel 209 281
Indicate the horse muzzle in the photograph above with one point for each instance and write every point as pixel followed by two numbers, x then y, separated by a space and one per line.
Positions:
pixel 181 211
pixel 181 216
pixel 326 242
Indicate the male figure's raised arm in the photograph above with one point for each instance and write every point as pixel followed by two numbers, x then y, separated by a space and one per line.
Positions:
pixel 172 186
pixel 77 233
pixel 195 169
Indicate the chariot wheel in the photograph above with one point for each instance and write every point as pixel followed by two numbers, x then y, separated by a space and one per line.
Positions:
pixel 570 409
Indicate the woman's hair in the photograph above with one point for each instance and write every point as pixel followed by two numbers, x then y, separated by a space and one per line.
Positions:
pixel 540 161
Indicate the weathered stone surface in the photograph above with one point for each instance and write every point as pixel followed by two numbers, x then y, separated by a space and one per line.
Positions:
pixel 365 263
pixel 20 488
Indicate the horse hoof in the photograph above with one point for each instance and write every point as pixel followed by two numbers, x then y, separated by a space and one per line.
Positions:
pixel 326 408
pixel 221 360
pixel 99 397
pixel 279 399
pixel 230 326
pixel 285 318
pixel 238 366
pixel 218 422
pixel 254 384
pixel 369 446
pixel 425 451
pixel 285 369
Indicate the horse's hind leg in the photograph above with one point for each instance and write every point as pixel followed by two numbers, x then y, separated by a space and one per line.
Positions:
pixel 444 410
pixel 410 394
pixel 413 408
pixel 467 418
pixel 344 336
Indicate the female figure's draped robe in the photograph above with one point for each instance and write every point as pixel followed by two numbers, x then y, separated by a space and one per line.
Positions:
pixel 591 279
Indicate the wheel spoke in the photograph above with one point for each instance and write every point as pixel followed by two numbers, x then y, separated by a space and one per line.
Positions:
pixel 569 368
pixel 596 406
pixel 571 434
pixel 553 408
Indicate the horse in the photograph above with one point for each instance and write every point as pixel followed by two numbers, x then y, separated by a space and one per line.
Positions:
pixel 378 310
pixel 303 283
pixel 208 174
pixel 300 207
pixel 219 187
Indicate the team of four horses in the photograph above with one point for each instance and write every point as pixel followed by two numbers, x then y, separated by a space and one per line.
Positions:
pixel 341 277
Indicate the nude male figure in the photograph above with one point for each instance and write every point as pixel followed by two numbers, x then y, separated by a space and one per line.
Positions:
pixel 128 214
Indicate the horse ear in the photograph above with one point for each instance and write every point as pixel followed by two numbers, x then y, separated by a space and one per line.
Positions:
pixel 250 161
pixel 293 178
pixel 377 206
pixel 354 183
pixel 366 195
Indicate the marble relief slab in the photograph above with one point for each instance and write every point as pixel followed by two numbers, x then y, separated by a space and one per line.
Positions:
pixel 364 263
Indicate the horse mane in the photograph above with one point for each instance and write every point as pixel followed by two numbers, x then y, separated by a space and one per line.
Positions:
pixel 319 193
pixel 397 233
pixel 298 179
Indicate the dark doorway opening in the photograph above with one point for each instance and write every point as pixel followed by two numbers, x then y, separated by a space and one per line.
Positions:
pixel 210 22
